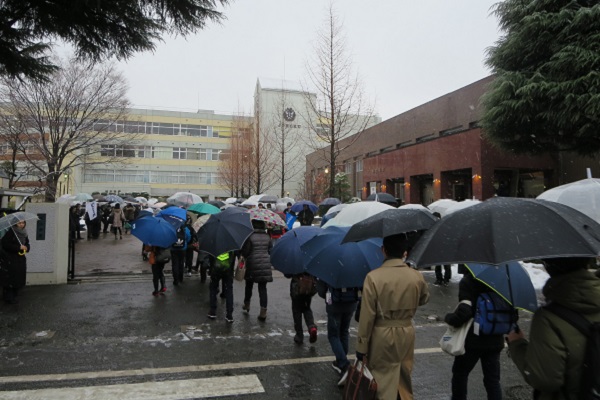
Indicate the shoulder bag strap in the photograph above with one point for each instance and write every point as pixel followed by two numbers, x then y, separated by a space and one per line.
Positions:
pixel 572 317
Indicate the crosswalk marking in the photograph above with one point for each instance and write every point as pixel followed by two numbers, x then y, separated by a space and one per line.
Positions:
pixel 178 370
pixel 164 390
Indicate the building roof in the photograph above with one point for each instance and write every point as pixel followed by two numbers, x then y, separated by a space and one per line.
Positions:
pixel 280 84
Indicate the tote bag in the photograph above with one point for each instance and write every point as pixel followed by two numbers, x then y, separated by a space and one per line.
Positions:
pixel 240 270
pixel 453 341
pixel 360 383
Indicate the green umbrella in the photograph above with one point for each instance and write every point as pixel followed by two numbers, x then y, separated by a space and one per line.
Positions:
pixel 203 208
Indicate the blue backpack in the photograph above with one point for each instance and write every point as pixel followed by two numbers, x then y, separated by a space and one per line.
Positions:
pixel 493 315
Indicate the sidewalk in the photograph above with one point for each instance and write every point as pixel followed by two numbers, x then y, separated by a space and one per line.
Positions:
pixel 106 256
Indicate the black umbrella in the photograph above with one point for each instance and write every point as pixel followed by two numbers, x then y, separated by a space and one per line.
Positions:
pixel 390 222
pixel 217 203
pixel 504 229
pixel 383 198
pixel 225 231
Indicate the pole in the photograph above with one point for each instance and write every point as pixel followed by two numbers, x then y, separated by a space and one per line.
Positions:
pixel 589 172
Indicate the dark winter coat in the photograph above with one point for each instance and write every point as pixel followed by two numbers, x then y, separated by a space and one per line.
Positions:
pixel 306 217
pixel 551 361
pixel 256 251
pixel 13 264
pixel 469 289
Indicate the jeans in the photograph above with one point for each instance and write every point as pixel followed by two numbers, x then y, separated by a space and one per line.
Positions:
pixel 189 258
pixel 177 264
pixel 338 324
pixel 262 292
pixel 490 365
pixel 227 289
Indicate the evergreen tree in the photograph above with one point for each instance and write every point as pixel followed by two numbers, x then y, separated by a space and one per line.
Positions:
pixel 546 94
pixel 96 28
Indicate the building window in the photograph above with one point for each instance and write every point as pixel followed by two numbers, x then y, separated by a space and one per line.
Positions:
pixel 359 165
pixel 348 168
pixel 179 153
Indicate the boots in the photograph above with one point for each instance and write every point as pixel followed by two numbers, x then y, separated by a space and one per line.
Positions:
pixel 246 307
pixel 263 314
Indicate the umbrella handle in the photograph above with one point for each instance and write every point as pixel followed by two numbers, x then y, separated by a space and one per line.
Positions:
pixel 22 253
pixel 516 328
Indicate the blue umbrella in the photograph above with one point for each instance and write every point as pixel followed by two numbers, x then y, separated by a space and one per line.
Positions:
pixel 154 231
pixel 286 255
pixel 341 265
pixel 299 206
pixel 225 231
pixel 509 280
pixel 174 215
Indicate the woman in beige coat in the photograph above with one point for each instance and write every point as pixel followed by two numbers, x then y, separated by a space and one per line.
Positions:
pixel 118 218
pixel 386 335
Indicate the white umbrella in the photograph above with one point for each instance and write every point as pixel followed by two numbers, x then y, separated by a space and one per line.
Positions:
pixel 459 206
pixel 356 212
pixel 230 200
pixel 337 208
pixel 152 201
pixel 440 206
pixel 201 220
pixel 252 200
pixel 184 199
pixel 142 200
pixel 415 207
pixel 65 199
pixel 583 195
pixel 286 200
pixel 82 197
pixel 12 219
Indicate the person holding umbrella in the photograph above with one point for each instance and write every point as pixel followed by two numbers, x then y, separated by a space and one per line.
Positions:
pixel 486 348
pixel 386 334
pixel 306 216
pixel 15 244
pixel 552 360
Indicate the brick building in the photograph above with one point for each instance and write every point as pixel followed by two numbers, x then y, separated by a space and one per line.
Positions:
pixel 437 150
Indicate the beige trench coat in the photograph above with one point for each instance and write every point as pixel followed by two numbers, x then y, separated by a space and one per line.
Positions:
pixel 390 297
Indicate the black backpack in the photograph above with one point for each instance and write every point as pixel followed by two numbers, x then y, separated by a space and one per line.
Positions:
pixel 590 380
pixel 180 243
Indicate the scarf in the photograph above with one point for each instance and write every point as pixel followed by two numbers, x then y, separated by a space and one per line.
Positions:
pixel 21 234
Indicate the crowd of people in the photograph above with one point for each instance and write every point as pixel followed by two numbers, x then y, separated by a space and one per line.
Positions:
pixel 551 361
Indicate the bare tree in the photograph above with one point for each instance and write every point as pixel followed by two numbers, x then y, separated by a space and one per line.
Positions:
pixel 65 121
pixel 234 171
pixel 340 108
pixel 285 145
pixel 10 148
pixel 261 157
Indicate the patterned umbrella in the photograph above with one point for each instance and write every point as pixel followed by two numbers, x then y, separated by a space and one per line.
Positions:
pixel 268 216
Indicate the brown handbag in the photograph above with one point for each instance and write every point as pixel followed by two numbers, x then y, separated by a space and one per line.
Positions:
pixel 360 383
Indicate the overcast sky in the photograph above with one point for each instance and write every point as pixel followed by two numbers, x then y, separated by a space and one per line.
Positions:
pixel 406 52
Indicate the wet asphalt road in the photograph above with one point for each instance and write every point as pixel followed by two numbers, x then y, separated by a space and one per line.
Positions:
pixel 108 322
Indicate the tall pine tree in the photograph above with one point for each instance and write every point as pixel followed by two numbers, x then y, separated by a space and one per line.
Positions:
pixel 546 95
